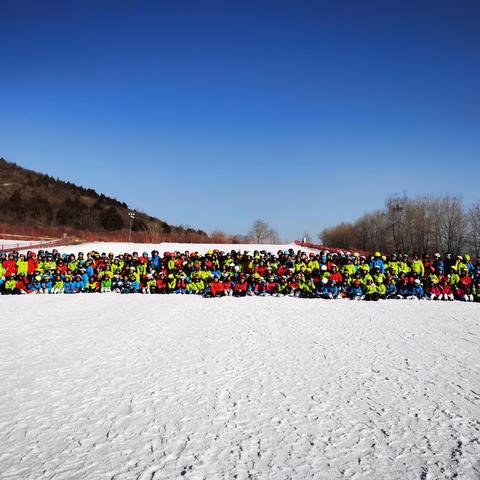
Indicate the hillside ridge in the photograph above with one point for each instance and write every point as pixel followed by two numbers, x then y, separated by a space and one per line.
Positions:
pixel 28 197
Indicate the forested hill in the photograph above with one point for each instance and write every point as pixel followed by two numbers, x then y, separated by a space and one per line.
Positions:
pixel 32 198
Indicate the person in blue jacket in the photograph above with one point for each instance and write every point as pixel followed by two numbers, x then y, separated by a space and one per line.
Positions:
pixel 332 289
pixel 34 285
pixel 84 277
pixel 131 285
pixel 78 285
pixel 155 259
pixel 356 292
pixel 417 289
pixel 46 285
pixel 68 285
pixel 438 264
pixel 89 272
pixel 377 262
pixel 391 288
pixel 322 289
pixel 403 289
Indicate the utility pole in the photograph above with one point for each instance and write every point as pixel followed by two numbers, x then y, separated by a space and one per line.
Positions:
pixel 132 218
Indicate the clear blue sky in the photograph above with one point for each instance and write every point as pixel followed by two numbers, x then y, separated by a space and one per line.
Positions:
pixel 213 114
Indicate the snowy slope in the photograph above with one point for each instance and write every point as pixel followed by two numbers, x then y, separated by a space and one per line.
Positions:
pixel 162 387
pixel 118 248
pixel 9 243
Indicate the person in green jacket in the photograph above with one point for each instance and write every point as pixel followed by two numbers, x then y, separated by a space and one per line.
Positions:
pixel 150 284
pixel 11 285
pixel 371 292
pixel 22 265
pixel 196 286
pixel 106 284
pixel 418 267
pixel 381 290
pixel 58 285
pixel 306 286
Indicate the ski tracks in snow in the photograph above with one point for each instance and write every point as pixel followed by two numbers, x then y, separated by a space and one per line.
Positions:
pixel 161 387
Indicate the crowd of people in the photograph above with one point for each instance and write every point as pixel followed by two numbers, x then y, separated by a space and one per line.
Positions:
pixel 216 273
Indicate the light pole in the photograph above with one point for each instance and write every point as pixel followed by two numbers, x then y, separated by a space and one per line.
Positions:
pixel 132 218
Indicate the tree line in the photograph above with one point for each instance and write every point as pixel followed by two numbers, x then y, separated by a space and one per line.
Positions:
pixel 424 224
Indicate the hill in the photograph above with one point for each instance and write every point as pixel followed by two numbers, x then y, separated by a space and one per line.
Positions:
pixel 35 199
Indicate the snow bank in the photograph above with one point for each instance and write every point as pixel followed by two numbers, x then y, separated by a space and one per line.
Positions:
pixel 160 387
pixel 118 248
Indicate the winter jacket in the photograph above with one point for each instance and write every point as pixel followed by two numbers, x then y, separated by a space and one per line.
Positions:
pixel 356 291
pixel 418 267
pixel 382 289
pixel 216 288
pixel 22 266
pixel 377 262
pixel 391 289
pixel 417 290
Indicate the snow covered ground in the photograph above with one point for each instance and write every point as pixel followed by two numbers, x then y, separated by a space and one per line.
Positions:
pixel 9 243
pixel 161 387
pixel 118 248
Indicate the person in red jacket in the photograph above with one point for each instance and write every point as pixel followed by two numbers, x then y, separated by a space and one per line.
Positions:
pixel 271 286
pixel 32 262
pixel 227 286
pixel 446 289
pixel 336 275
pixel 10 265
pixel 216 288
pixel 161 283
pixel 22 283
pixel 240 288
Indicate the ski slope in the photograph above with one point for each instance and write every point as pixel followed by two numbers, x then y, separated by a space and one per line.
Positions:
pixel 120 248
pixel 19 244
pixel 161 387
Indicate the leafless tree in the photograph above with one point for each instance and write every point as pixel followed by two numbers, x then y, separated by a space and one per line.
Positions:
pixel 154 231
pixel 262 233
pixel 421 225
pixel 473 218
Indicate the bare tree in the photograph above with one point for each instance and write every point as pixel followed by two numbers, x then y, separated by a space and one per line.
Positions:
pixel 262 233
pixel 453 223
pixel 420 225
pixel 153 230
pixel 473 218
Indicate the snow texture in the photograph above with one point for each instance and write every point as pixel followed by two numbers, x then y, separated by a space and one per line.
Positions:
pixel 8 243
pixel 162 387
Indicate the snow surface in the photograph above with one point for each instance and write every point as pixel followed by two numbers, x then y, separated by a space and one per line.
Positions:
pixel 9 243
pixel 161 387
pixel 119 248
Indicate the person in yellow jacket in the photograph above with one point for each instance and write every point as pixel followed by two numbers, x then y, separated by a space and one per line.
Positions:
pixel 393 265
pixel 364 266
pixel 371 292
pixel 349 268
pixel 418 267
pixel 453 277
pixel 22 265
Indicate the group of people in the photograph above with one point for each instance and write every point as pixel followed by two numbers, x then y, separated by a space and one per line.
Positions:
pixel 216 273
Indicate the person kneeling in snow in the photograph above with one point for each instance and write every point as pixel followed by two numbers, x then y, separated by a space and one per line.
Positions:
pixel 356 292
pixel 391 288
pixel 371 293
pixel 417 290
pixel 240 288
pixel 216 288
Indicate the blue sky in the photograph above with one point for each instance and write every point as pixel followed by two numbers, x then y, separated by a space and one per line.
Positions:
pixel 213 114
